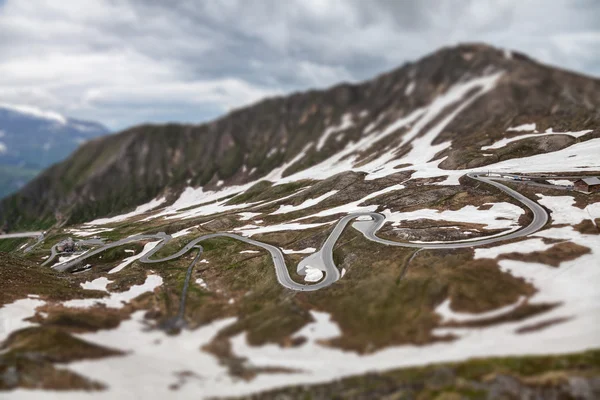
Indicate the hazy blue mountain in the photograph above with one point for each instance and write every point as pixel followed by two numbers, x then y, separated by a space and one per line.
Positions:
pixel 31 140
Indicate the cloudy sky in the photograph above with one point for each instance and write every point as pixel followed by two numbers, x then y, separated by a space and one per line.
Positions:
pixel 123 62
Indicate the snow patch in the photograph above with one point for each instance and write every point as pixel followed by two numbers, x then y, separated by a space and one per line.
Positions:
pixel 523 247
pixel 355 206
pixel 147 247
pixel 563 210
pixel 250 230
pixel 182 232
pixel 202 283
pixel 343 125
pixel 409 88
pixel 447 314
pixel 245 216
pixel 13 315
pixel 284 209
pixel 88 232
pixel 499 216
pixel 504 142
pixel 307 250
pixel 312 274
pixel 560 182
pixel 117 300
pixel 322 328
pixel 521 128
pixel 152 363
pixel 35 112
pixel 96 284
pixel 71 256
pixel 139 210
pixel 272 152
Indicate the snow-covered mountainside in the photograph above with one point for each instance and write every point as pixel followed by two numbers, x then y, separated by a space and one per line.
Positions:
pixel 32 139
pixel 460 100
pixel 427 217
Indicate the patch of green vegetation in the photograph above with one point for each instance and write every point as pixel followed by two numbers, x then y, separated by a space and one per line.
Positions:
pixel 264 190
pixel 171 247
pixel 52 344
pixel 115 254
pixel 20 277
pixel 9 245
pixel 81 320
pixel 268 312
pixel 28 373
pixel 231 161
pixel 378 303
pixel 535 376
pixel 18 217
pixel 12 177
pixel 256 190
pixel 27 358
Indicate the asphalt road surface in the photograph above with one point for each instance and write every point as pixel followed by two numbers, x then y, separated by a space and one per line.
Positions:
pixel 323 258
pixel 38 234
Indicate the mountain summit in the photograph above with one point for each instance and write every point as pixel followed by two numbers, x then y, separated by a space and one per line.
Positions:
pixel 444 107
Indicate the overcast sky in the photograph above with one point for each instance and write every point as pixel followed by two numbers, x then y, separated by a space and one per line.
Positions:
pixel 123 62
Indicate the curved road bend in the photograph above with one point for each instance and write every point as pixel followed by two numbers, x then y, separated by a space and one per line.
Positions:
pixel 323 258
pixel 17 235
pixel 540 218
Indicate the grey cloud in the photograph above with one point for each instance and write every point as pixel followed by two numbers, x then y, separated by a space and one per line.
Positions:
pixel 130 61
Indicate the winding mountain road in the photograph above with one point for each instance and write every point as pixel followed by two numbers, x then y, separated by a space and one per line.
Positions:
pixel 323 258
pixel 18 235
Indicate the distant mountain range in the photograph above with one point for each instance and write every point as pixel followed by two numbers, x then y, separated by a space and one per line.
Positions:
pixel 31 140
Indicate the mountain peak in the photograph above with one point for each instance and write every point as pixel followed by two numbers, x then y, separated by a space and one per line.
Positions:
pixel 35 112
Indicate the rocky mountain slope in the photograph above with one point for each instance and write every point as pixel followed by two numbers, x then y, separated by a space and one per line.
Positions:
pixel 347 242
pixel 115 173
pixel 31 140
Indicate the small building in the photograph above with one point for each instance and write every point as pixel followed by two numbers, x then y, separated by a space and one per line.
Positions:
pixel 591 184
pixel 66 246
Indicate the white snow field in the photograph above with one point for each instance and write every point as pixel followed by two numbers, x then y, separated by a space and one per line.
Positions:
pixel 139 210
pixel 523 247
pixel 86 231
pixel 448 314
pixel 549 132
pixel 250 230
pixel 97 284
pixel 521 128
pixel 284 209
pixel 307 250
pixel 563 210
pixel 116 299
pixel 499 216
pixel 344 124
pixel 127 261
pixel 312 274
pixel 13 315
